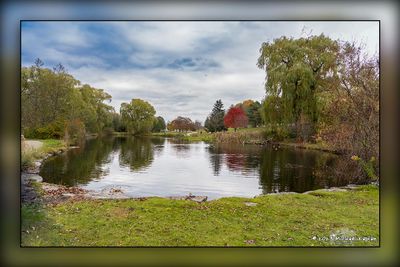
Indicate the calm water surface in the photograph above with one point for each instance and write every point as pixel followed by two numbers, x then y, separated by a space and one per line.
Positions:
pixel 168 167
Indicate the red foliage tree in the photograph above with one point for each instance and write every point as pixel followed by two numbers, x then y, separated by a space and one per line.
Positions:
pixel 235 118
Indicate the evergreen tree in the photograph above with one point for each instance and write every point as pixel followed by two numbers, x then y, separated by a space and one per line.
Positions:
pixel 215 121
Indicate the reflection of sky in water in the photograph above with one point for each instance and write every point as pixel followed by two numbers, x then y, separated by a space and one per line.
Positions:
pixel 179 169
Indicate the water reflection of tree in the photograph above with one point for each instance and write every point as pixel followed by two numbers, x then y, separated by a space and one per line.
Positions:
pixel 216 158
pixel 216 163
pixel 158 141
pixel 301 170
pixel 181 148
pixel 235 162
pixel 79 165
pixel 237 157
pixel 336 171
pixel 137 153
pixel 286 170
pixel 158 145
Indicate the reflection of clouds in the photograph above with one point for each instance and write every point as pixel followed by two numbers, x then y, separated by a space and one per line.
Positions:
pixel 181 150
pixel 158 149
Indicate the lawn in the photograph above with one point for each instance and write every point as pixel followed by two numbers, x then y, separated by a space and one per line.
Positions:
pixel 314 219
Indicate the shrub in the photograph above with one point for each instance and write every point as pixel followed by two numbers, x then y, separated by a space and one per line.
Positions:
pixel 368 167
pixel 52 130
pixel 279 132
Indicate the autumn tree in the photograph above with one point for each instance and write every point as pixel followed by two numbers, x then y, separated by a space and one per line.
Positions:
pixel 215 121
pixel 245 105
pixel 297 71
pixel 351 107
pixel 182 124
pixel 235 118
pixel 138 115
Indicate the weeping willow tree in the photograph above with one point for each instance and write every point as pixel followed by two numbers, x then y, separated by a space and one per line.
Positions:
pixel 297 70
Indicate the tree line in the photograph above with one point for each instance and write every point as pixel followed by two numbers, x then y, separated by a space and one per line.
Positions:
pixel 56 105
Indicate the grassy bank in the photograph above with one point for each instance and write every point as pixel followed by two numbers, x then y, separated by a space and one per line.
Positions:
pixel 190 136
pixel 240 136
pixel 243 135
pixel 256 136
pixel 275 220
pixel 169 134
pixel 30 155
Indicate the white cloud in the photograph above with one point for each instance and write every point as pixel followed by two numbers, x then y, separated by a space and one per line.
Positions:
pixel 137 61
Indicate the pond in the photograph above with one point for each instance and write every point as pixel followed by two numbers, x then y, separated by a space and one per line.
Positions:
pixel 168 167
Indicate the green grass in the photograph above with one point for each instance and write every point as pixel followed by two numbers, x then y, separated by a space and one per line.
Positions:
pixel 193 136
pixel 120 133
pixel 30 155
pixel 277 220
pixel 169 134
pixel 200 136
pixel 251 129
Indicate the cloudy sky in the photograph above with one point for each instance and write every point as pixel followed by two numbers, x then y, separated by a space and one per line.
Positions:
pixel 181 68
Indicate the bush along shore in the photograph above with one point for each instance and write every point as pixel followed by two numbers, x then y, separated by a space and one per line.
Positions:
pixel 55 215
